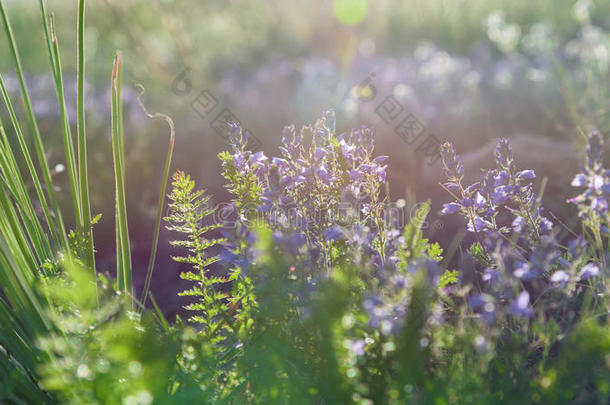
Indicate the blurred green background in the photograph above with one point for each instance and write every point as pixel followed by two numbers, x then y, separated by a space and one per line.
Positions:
pixel 469 71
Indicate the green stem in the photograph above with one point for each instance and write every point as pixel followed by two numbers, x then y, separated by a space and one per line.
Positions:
pixel 160 204
pixel 123 244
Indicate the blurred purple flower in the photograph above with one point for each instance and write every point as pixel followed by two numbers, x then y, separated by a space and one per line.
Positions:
pixel 334 233
pixel 521 305
pixel 588 271
pixel 357 347
pixel 490 275
pixel 560 278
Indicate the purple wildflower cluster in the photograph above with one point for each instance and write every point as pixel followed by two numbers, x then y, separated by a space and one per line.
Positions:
pixel 524 262
pixel 320 187
pixel 549 276
pixel 503 190
pixel 595 178
pixel 387 304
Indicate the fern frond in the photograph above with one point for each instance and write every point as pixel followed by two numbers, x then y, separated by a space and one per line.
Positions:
pixel 188 210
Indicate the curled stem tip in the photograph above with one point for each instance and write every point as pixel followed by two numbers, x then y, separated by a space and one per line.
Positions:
pixel 167 119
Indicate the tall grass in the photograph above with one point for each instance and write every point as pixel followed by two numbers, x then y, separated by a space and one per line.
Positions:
pixel 82 139
pixel 35 247
pixel 118 154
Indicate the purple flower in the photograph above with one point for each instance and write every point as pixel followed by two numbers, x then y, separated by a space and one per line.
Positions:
pixel 526 175
pixel 453 167
pixel 355 175
pixel 381 174
pixel 320 153
pixel 525 271
pixel 599 204
pixel 266 204
pixel 478 301
pixel 560 278
pixel 258 158
pixel 237 137
pixel 499 196
pixel 471 188
pixel 240 163
pixel 348 150
pixel 501 178
pixel 309 186
pixel 588 271
pixel 373 305
pixel 360 236
pixel 577 200
pixel 292 243
pixel 594 177
pixel 380 159
pixel 576 246
pixel 281 164
pixel 259 163
pixel 519 224
pixel 479 201
pixel 357 347
pixel 545 226
pixel 580 180
pixel 521 305
pixel 490 275
pixel 287 181
pixel 454 188
pixel 334 233
pixel 322 174
pixel 502 189
pixel 597 181
pixel 291 141
pixel 484 304
pixel 325 126
pixel 504 154
pixel 450 208
pixel 479 225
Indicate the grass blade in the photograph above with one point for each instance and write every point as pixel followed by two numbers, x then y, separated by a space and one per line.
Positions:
pixel 82 139
pixel 47 35
pixel 67 135
pixel 124 282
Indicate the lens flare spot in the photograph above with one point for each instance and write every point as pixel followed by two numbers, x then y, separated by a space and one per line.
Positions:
pixel 351 12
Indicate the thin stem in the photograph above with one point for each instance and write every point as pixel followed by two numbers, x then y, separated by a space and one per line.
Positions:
pixel 168 162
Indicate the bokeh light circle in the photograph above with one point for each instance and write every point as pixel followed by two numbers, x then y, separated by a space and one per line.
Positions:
pixel 351 12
